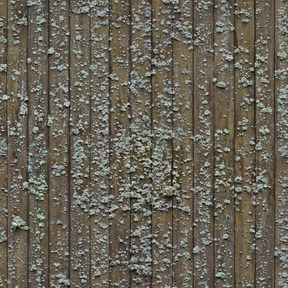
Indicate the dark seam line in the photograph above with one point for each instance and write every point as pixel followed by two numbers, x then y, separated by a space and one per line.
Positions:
pixel 153 141
pixel 130 134
pixel 172 141
pixel 274 140
pixel 90 148
pixel 69 140
pixel 234 141
pixel 110 134
pixel 48 144
pixel 27 140
pixel 7 137
pixel 193 141
pixel 213 145
pixel 255 135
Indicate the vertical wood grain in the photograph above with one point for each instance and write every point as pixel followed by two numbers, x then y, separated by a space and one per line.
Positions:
pixel 244 161
pixel 80 144
pixel 264 189
pixel 223 143
pixel 141 144
pixel 120 114
pixel 182 173
pixel 203 144
pixel 99 207
pixel 3 144
pixel 17 143
pixel 38 182
pixel 58 125
pixel 281 146
pixel 162 90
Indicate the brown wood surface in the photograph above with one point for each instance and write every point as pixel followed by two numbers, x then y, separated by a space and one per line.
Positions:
pixel 223 130
pixel 3 146
pixel 58 125
pixel 120 143
pixel 38 137
pixel 80 131
pixel 17 120
pixel 143 143
pixel 245 142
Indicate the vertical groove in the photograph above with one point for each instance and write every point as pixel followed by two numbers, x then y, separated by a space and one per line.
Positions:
pixel 172 140
pixel 234 139
pixel 7 137
pixel 90 145
pixel 255 135
pixel 130 132
pixel 27 141
pixel 193 139
pixel 151 130
pixel 275 135
pixel 48 143
pixel 213 146
pixel 153 142
pixel 109 142
pixel 69 140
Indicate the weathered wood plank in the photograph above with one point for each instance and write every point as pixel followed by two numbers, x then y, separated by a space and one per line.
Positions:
pixel 141 144
pixel 182 175
pixel 281 144
pixel 264 96
pixel 17 143
pixel 162 90
pixel 120 143
pixel 203 146
pixel 99 71
pixel 58 123
pixel 223 143
pixel 38 143
pixel 244 144
pixel 3 145
pixel 79 142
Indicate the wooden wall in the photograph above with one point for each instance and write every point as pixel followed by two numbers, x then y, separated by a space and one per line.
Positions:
pixel 143 143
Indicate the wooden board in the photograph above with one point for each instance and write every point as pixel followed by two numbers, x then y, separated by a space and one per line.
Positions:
pixel 80 131
pixel 182 175
pixel 141 143
pixel 203 145
pixel 100 201
pixel 59 149
pixel 3 145
pixel 17 90
pixel 223 131
pixel 264 96
pixel 37 130
pixel 162 91
pixel 281 164
pixel 120 115
pixel 244 142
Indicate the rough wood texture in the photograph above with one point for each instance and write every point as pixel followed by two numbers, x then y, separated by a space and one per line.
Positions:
pixel 80 131
pixel 17 118
pixel 281 146
pixel 120 141
pixel 203 96
pixel 245 142
pixel 38 154
pixel 58 125
pixel 143 143
pixel 3 145
pixel 182 170
pixel 162 91
pixel 223 130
